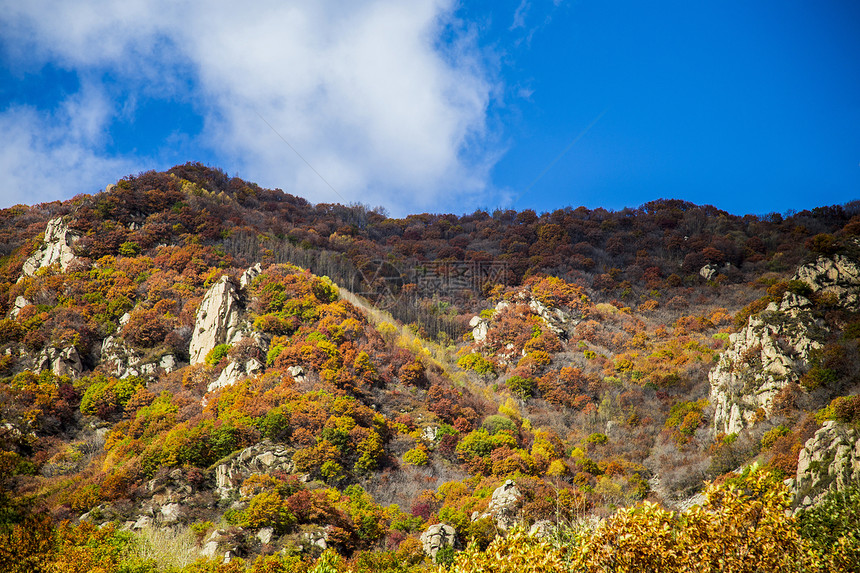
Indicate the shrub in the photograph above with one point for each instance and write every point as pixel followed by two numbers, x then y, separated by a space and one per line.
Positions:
pixel 831 528
pixel 476 361
pixel 417 456
pixel 521 387
pixel 216 354
pixel 496 423
pixel 768 439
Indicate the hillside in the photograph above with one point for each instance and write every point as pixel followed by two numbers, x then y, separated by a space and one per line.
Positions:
pixel 199 374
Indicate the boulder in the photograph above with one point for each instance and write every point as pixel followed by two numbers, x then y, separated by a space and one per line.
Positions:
pixel 541 529
pixel 263 457
pixel 56 248
pixel 480 327
pixel 218 320
pixel 234 372
pixel 315 538
pixel 709 272
pixel 62 362
pixel 170 513
pixel 249 275
pixel 265 535
pixel 504 505
pixel 555 319
pixel 143 522
pixel 20 302
pixel 438 537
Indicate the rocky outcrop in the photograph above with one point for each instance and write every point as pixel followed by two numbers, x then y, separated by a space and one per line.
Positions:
pixel 709 272
pixel 480 327
pixel 61 361
pixel 297 372
pixel 20 303
pixel 837 275
pixel 249 275
pixel 220 541
pixel 55 249
pixel 264 457
pixel 771 351
pixel 218 320
pixel 775 346
pixel 438 537
pixel 313 539
pixel 122 361
pixel 555 319
pixel 505 505
pixel 829 461
pixel 235 371
pixel 542 529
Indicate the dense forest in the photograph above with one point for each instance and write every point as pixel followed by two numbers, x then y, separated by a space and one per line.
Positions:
pixel 200 374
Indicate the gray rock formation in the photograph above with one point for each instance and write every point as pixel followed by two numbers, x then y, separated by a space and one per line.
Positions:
pixel 709 272
pixel 20 302
pixel 505 505
pixel 771 351
pixel 249 275
pixel 56 248
pixel 542 529
pixel 838 275
pixel 829 461
pixel 122 361
pixel 234 372
pixel 437 537
pixel 218 320
pixel 219 540
pixel 263 457
pixel 480 327
pixel 297 372
pixel 61 361
pixel 265 535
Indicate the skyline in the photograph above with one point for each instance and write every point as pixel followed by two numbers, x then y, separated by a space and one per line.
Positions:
pixel 440 106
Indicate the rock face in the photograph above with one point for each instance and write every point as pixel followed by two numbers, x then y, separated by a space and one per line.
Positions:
pixel 838 275
pixel 437 537
pixel 122 361
pixel 218 320
pixel 170 499
pixel 829 461
pixel 263 457
pixel 249 275
pixel 774 348
pixel 504 505
pixel 20 303
pixel 480 327
pixel 234 372
pixel 61 361
pixel 709 272
pixel 771 351
pixel 56 249
pixel 555 319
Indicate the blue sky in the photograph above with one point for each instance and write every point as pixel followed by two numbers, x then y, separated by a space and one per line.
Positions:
pixel 434 105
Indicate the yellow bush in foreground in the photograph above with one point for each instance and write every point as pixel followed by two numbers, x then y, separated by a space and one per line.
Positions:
pixel 742 527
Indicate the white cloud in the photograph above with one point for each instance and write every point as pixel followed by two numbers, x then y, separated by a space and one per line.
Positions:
pixel 45 157
pixel 520 15
pixel 364 89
